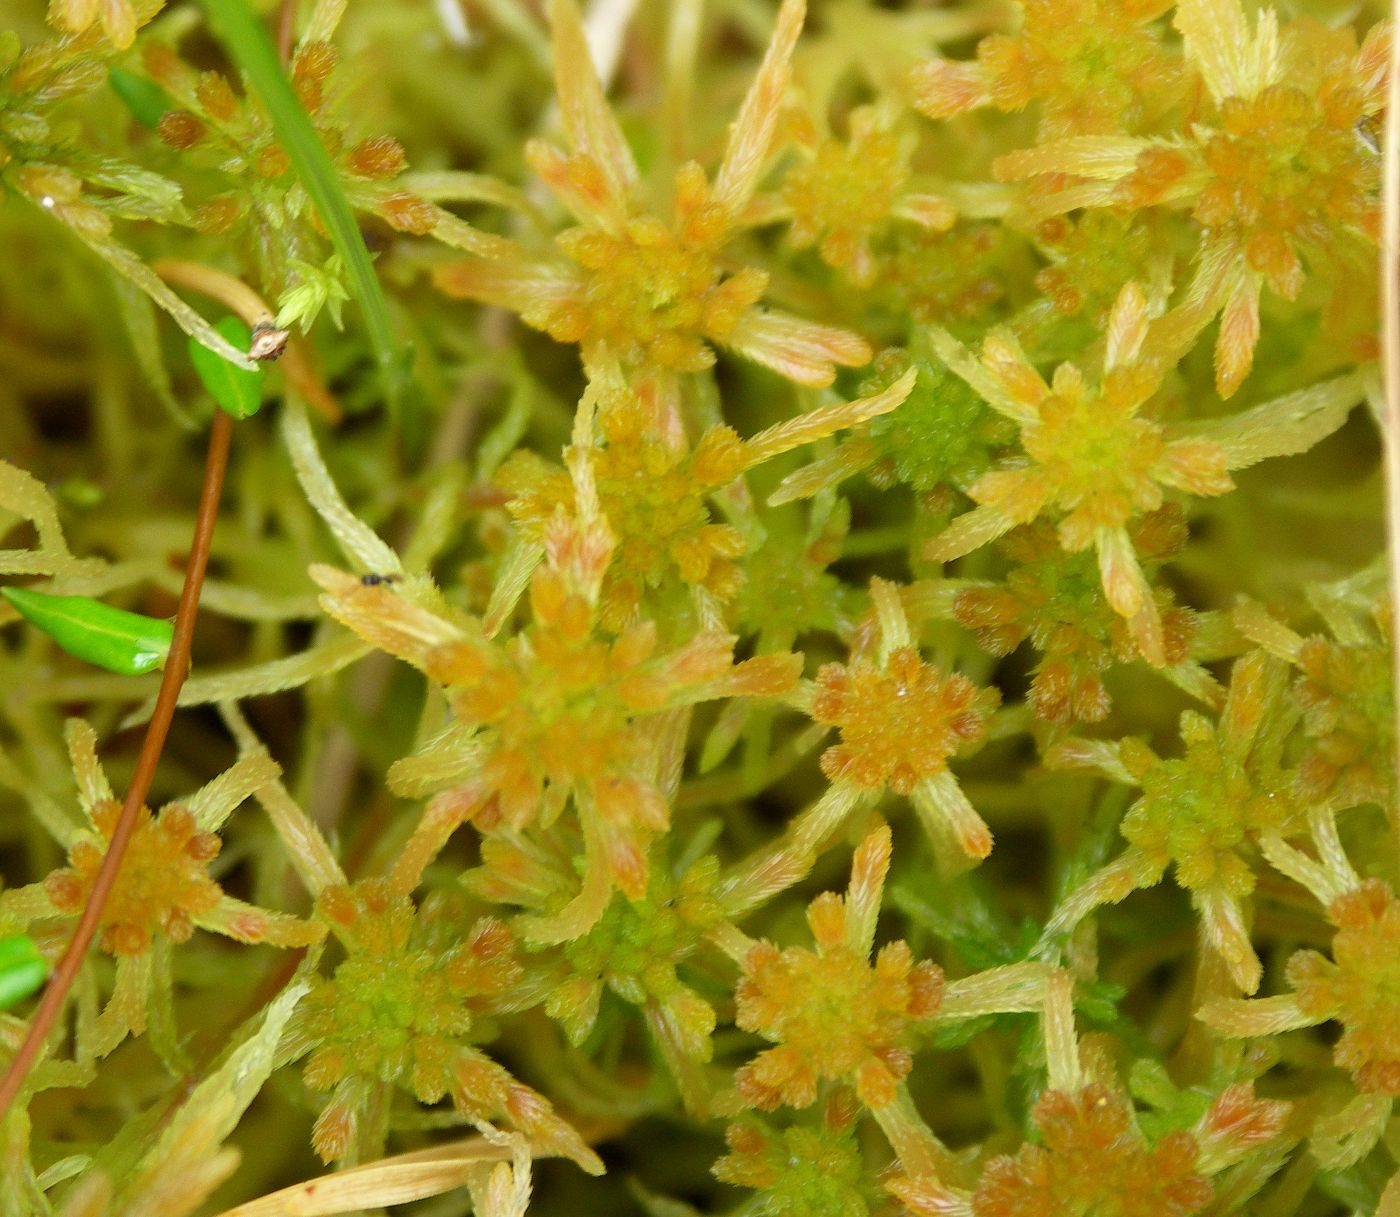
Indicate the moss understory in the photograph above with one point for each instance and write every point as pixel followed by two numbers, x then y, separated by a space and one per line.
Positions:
pixel 800 630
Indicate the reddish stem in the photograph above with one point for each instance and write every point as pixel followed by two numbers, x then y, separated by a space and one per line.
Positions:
pixel 176 667
pixel 286 30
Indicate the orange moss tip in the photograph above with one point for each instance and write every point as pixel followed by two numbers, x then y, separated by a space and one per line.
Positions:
pixel 340 906
pixel 627 864
pixel 929 211
pixel 1237 1123
pixel 1090 1146
pixel 271 161
pixel 1353 986
pixel 592 128
pixel 765 676
pixel 803 351
pixel 160 61
pixel 899 725
pixel 376 158
pixel 640 294
pixel 336 1128
pixel 163 888
pixel 312 67
pixel 706 657
pixel 535 1115
pixel 1239 335
pixel 408 213
pixel 1347 699
pixel 1059 695
pixel 180 129
pixel 831 1014
pixel 580 180
pixel 928 1196
pixel 970 831
pixel 254 926
pixel 217 215
pixel 216 95
pixel 942 88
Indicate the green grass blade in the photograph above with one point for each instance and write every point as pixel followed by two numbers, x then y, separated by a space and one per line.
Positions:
pixel 248 45
pixel 146 100
pixel 22 969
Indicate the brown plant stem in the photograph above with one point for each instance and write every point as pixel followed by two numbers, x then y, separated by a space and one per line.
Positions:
pixel 176 667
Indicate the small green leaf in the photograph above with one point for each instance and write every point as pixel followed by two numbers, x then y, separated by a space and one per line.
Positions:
pixel 82 493
pixel 110 637
pixel 146 100
pixel 22 969
pixel 316 287
pixel 236 389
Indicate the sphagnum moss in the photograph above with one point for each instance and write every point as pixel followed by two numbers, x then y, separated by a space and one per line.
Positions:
pixel 827 463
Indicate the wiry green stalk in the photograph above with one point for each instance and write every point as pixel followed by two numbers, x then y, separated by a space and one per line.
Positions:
pixel 250 47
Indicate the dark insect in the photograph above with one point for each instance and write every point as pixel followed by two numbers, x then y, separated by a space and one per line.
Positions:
pixel 377 580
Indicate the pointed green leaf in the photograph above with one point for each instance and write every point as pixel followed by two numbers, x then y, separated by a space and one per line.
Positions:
pixel 22 969
pixel 146 100
pixel 110 637
pixel 236 389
